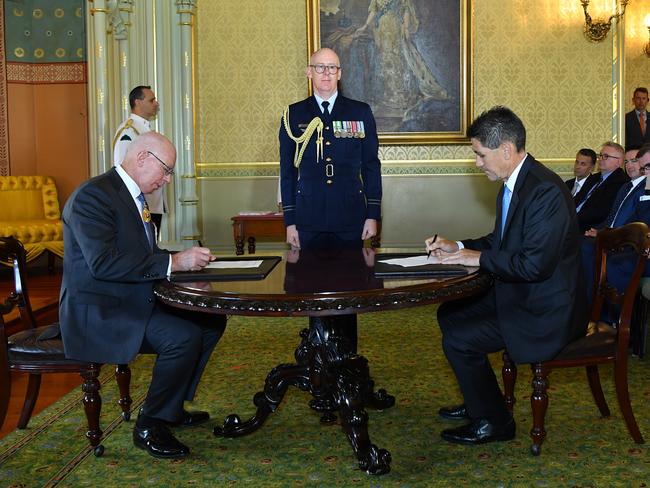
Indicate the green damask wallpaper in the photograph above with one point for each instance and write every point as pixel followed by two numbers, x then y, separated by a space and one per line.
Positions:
pixel 531 56
pixel 250 65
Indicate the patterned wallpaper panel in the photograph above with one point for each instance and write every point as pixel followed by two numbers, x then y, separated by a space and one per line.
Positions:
pixel 45 31
pixel 531 56
pixel 250 64
pixel 637 64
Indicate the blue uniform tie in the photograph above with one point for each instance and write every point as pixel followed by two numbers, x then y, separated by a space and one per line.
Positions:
pixel 326 111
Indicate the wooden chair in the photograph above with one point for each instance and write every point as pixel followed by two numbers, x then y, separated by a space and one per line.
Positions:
pixel 602 343
pixel 36 350
pixel 639 326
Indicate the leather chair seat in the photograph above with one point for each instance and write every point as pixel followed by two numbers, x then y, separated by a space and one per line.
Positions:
pixel 600 341
pixel 42 344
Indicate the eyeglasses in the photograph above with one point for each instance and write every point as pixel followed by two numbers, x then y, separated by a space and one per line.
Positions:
pixel 605 157
pixel 168 170
pixel 332 69
pixel 631 160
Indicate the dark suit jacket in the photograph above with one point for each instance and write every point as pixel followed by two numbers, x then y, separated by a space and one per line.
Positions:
pixel 536 266
pixel 599 203
pixel 311 199
pixel 588 184
pixel 108 273
pixel 633 137
pixel 625 206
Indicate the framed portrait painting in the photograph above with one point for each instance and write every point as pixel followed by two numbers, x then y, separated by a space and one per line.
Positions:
pixel 410 60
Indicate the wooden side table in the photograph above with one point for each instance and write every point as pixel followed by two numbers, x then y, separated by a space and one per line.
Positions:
pixel 252 226
pixel 268 225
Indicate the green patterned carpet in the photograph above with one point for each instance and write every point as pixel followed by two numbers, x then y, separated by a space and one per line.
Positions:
pixel 293 449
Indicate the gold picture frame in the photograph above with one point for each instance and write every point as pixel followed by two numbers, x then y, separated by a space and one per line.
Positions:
pixel 398 57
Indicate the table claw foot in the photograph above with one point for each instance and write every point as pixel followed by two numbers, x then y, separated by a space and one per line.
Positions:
pixel 380 400
pixel 376 461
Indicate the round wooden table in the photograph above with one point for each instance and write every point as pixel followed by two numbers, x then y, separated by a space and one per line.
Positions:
pixel 330 288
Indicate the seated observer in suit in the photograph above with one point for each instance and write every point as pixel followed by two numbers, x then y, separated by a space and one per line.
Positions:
pixel 582 168
pixel 633 205
pixel 108 310
pixel 595 199
pixel 536 305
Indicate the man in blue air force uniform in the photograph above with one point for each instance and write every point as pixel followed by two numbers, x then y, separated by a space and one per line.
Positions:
pixel 329 169
pixel 330 174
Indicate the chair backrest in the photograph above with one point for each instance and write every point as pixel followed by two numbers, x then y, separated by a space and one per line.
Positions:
pixel 28 197
pixel 12 251
pixel 630 243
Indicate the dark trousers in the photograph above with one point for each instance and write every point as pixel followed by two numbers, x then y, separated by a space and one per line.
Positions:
pixel 336 240
pixel 470 332
pixel 183 342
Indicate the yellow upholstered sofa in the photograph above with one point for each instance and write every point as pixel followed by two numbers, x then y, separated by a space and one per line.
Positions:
pixel 29 211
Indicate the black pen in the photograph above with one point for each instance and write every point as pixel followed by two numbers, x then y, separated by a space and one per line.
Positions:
pixel 434 240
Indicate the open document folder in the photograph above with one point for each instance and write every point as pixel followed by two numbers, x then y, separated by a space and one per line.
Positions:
pixel 413 264
pixel 231 269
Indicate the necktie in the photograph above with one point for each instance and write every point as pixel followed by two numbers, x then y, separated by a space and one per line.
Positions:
pixel 576 187
pixel 641 122
pixel 326 111
pixel 618 203
pixel 505 203
pixel 591 190
pixel 146 219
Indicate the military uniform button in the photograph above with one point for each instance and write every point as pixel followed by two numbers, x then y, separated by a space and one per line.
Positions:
pixel 328 143
pixel 328 159
pixel 329 182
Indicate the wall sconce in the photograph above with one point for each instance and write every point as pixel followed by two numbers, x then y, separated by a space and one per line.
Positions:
pixel 597 31
pixel 646 47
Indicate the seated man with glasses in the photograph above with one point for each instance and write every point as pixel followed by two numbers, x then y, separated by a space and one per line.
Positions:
pixel 108 310
pixel 330 174
pixel 595 200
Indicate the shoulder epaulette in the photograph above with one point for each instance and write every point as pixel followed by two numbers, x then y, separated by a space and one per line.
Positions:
pixel 128 124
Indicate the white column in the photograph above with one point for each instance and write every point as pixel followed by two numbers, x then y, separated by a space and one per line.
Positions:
pixel 187 217
pixel 618 80
pixel 100 139
pixel 121 25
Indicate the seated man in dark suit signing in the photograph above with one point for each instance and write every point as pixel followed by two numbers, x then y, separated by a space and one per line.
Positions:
pixel 595 199
pixel 584 165
pixel 536 305
pixel 108 310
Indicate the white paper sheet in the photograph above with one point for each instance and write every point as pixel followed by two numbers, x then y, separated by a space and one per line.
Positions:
pixel 409 262
pixel 234 264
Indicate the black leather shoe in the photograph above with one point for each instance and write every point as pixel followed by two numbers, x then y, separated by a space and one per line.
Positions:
pixel 457 412
pixel 190 419
pixel 159 441
pixel 480 431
